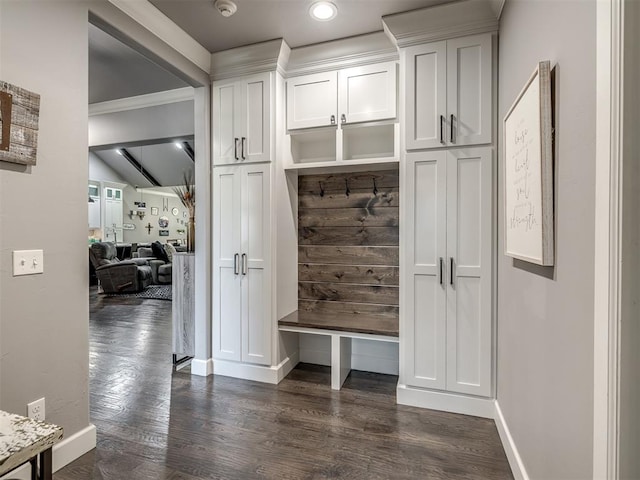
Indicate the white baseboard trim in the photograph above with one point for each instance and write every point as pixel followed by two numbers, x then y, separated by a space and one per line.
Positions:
pixel 202 368
pixel 287 365
pixel 256 373
pixel 447 402
pixel 65 452
pixel 510 448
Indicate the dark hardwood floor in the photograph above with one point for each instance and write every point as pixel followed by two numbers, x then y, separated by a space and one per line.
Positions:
pixel 154 423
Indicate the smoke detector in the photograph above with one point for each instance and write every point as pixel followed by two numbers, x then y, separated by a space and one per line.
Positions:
pixel 226 7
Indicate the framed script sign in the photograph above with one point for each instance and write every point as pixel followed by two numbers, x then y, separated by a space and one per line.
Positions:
pixel 528 171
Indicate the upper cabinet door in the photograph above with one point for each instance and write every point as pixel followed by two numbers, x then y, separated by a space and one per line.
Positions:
pixel 449 94
pixel 255 140
pixel 367 93
pixel 312 100
pixel 469 90
pixel 242 120
pixel 226 122
pixel 426 95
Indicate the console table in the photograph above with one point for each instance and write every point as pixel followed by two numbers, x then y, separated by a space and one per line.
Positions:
pixel 22 439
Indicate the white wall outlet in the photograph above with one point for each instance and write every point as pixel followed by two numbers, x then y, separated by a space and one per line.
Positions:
pixel 28 262
pixel 35 410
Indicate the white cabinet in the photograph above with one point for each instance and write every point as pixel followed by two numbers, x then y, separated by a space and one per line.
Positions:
pixel 351 95
pixel 449 93
pixel 447 325
pixel 312 100
pixel 242 120
pixel 113 214
pixel 94 206
pixel 242 264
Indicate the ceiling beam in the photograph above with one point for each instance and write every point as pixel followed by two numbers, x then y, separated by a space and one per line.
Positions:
pixel 189 151
pixel 138 166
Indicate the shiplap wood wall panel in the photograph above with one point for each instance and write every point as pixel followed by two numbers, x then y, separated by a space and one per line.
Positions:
pixel 348 235
pixel 22 108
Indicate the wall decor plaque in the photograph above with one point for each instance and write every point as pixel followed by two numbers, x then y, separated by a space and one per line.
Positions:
pixel 19 113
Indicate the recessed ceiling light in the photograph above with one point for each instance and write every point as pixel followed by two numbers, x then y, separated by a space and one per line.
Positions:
pixel 323 11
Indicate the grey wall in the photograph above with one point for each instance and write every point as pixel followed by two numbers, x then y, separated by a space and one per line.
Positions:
pixel 44 318
pixel 101 172
pixel 140 234
pixel 545 315
pixel 629 442
pixel 173 120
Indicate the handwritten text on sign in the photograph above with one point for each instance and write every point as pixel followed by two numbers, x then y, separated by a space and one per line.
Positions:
pixel 522 175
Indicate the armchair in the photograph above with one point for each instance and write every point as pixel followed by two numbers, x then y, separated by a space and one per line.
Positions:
pixel 116 276
pixel 161 268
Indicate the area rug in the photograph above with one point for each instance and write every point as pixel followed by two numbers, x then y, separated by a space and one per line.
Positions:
pixel 155 292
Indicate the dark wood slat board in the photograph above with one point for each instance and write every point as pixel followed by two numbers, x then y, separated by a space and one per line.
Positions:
pixel 339 308
pixel 338 182
pixel 347 217
pixel 348 252
pixel 349 236
pixel 386 197
pixel 346 292
pixel 336 255
pixel 368 275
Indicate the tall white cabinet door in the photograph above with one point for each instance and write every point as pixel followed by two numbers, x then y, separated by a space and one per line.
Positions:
pixel 255 140
pixel 426 95
pixel 469 237
pixel 255 265
pixel 227 110
pixel 227 287
pixel 469 91
pixel 312 100
pixel 425 275
pixel 367 93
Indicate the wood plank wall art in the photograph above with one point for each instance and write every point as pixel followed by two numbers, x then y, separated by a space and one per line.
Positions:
pixel 348 244
pixel 19 114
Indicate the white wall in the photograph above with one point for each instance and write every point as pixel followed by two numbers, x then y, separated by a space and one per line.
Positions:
pixel 545 315
pixel 44 318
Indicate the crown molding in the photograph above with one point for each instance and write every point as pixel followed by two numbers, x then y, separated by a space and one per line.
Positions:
pixel 347 52
pixel 147 15
pixel 142 101
pixel 467 17
pixel 269 56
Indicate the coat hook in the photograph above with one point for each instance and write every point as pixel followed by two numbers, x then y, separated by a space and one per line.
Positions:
pixel 321 189
pixel 375 188
pixel 346 182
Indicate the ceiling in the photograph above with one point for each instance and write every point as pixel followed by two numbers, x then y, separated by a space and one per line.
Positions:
pixel 117 71
pixel 166 163
pixel 261 20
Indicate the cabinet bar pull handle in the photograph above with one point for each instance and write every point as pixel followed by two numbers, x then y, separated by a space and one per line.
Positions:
pixel 244 264
pixel 343 118
pixel 244 141
pixel 235 264
pixel 333 119
pixel 451 270
pixel 451 137
pixel 235 148
pixel 441 273
pixel 442 129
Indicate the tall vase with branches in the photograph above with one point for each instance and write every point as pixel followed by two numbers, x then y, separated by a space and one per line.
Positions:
pixel 187 195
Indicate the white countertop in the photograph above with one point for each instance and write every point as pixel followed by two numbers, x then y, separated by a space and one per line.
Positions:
pixel 22 438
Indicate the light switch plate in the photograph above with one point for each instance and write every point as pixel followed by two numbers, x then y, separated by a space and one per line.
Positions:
pixel 28 262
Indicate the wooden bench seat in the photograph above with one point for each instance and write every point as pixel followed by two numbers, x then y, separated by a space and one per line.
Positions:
pixel 342 328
